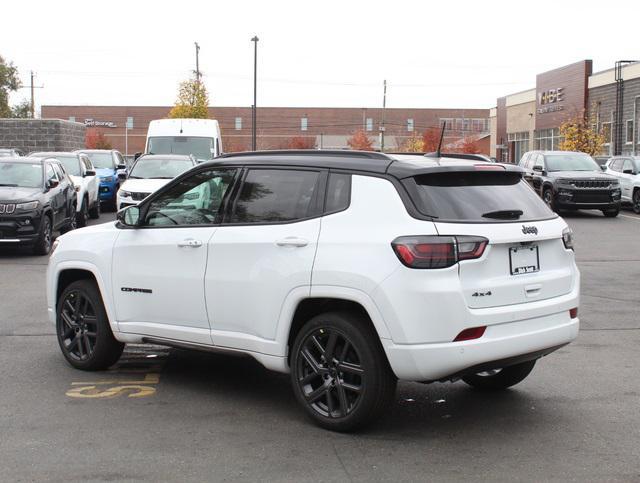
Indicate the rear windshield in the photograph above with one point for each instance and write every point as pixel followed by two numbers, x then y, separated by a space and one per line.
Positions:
pixel 480 197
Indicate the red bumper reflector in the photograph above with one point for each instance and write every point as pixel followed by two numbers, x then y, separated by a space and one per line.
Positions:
pixel 573 313
pixel 470 334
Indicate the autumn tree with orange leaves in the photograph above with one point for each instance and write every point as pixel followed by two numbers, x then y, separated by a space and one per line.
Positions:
pixel 431 139
pixel 469 146
pixel 301 142
pixel 360 141
pixel 96 140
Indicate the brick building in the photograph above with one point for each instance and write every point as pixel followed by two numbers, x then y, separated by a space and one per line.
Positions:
pixel 319 127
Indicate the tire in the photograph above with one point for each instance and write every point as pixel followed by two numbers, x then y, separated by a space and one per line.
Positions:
pixel 547 197
pixel 612 213
pixel 502 379
pixel 356 387
pixel 45 237
pixel 94 212
pixel 82 216
pixel 83 330
pixel 635 200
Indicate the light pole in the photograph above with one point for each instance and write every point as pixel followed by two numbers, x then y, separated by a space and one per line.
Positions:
pixel 254 108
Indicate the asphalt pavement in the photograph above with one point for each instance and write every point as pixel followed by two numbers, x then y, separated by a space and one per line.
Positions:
pixel 171 415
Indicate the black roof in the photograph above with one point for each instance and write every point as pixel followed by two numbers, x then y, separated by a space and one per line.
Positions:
pixel 397 165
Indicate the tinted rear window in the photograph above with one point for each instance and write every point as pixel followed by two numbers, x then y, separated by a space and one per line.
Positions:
pixel 467 196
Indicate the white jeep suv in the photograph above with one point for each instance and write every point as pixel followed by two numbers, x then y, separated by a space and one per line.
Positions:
pixel 627 170
pixel 348 270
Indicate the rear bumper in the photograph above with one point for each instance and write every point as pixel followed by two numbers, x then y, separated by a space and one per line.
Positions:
pixel 439 361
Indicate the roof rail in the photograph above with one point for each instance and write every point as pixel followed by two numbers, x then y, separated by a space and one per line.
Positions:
pixel 473 157
pixel 311 152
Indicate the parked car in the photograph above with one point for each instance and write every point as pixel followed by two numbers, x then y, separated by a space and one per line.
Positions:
pixel 149 173
pixel 108 163
pixel 9 153
pixel 423 271
pixel 627 170
pixel 197 137
pixel 569 180
pixel 37 198
pixel 85 180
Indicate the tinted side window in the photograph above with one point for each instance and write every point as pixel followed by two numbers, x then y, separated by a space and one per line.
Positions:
pixel 50 173
pixel 275 195
pixel 338 193
pixel 524 160
pixel 627 166
pixel 539 160
pixel 615 164
pixel 196 200
pixel 58 171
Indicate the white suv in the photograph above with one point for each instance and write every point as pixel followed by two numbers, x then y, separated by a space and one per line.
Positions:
pixel 349 270
pixel 627 170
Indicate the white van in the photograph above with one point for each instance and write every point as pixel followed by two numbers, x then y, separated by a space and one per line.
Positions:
pixel 197 137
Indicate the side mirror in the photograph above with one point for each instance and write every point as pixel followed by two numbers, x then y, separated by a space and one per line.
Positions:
pixel 538 168
pixel 136 156
pixel 129 216
pixel 122 175
pixel 52 183
pixel 603 167
pixel 121 166
pixel 90 172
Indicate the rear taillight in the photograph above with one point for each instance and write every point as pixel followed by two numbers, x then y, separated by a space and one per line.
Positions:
pixel 470 334
pixel 573 313
pixel 567 238
pixel 433 251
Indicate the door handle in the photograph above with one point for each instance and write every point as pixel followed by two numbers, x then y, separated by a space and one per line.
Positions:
pixel 292 241
pixel 190 242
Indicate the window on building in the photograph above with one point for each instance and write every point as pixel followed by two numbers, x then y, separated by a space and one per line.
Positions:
pixel 605 130
pixel 466 125
pixel 520 142
pixel 629 131
pixel 479 125
pixel 129 124
pixel 547 139
pixel 410 125
pixel 448 124
pixel 458 124
pixel 238 123
pixel 72 118
pixel 369 124
pixel 304 122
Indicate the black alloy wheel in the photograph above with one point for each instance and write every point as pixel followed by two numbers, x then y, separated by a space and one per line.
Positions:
pixel 500 379
pixel 83 215
pixel 45 238
pixel 339 371
pixel 94 212
pixel 636 200
pixel 78 327
pixel 330 373
pixel 547 197
pixel 83 330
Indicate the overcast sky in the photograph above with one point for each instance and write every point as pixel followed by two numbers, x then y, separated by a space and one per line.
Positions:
pixel 323 53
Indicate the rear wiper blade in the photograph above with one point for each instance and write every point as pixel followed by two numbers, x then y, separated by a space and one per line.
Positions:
pixel 504 214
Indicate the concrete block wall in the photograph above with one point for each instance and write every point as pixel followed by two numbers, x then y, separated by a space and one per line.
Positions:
pixel 41 135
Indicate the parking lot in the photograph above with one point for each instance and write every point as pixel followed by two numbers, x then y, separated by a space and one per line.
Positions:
pixel 165 414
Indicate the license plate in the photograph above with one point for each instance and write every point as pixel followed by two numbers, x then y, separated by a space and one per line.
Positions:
pixel 524 259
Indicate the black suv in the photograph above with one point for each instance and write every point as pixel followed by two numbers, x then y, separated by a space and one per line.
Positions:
pixel 37 198
pixel 569 180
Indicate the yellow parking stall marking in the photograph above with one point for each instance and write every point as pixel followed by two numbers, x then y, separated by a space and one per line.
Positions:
pixel 92 392
pixel 118 387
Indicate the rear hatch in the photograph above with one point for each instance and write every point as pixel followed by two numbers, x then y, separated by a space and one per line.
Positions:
pixel 525 259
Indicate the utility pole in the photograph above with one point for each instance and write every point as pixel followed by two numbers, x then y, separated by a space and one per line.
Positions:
pixel 33 101
pixel 254 108
pixel 384 105
pixel 198 74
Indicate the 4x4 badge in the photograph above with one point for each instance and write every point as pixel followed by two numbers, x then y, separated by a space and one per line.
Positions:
pixel 529 230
